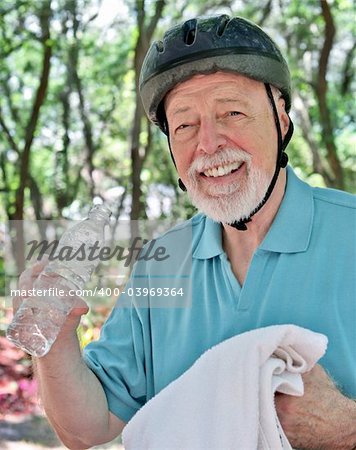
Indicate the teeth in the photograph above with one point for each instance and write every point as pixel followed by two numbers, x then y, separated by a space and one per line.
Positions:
pixel 221 170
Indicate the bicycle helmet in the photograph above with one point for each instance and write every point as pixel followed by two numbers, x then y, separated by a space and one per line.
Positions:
pixel 208 45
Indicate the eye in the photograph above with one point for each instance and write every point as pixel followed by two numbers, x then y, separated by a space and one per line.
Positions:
pixel 182 127
pixel 234 113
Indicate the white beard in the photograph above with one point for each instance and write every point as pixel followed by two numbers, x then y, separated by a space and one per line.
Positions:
pixel 231 202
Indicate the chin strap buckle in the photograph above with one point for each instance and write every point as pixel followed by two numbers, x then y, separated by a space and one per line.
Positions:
pixel 284 160
pixel 241 224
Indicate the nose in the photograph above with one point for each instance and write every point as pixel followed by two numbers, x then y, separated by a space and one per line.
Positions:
pixel 210 138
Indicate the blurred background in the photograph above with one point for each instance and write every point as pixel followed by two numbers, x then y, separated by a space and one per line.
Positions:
pixel 72 129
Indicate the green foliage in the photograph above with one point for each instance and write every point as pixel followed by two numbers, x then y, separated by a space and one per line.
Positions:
pixel 81 145
pixel 91 86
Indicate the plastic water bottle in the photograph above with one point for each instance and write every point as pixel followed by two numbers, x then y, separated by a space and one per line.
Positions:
pixel 39 319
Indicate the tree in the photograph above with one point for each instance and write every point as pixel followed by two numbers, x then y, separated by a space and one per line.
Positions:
pixel 72 122
pixel 145 29
pixel 20 139
pixel 317 38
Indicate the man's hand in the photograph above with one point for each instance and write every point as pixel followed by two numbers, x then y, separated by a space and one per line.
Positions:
pixel 322 419
pixel 26 283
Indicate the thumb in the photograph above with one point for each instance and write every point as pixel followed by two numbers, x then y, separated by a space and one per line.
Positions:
pixel 80 307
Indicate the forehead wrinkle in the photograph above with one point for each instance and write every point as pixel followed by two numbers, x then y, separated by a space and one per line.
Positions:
pixel 224 100
pixel 180 110
pixel 178 100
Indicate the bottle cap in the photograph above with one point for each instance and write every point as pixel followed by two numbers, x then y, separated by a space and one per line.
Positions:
pixel 101 210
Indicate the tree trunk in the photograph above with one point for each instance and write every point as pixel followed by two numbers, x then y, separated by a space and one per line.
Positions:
pixel 319 164
pixel 321 92
pixel 138 153
pixel 83 109
pixel 45 17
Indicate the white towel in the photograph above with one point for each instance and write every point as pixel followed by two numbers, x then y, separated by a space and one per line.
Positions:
pixel 225 401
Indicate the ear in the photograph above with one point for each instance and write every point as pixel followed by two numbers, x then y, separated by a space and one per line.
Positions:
pixel 283 116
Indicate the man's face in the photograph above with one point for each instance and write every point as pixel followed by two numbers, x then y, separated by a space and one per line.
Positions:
pixel 224 142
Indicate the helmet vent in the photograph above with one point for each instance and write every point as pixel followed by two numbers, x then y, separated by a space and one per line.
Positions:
pixel 159 46
pixel 224 20
pixel 190 27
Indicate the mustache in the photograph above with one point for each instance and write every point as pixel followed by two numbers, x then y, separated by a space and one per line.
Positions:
pixel 222 157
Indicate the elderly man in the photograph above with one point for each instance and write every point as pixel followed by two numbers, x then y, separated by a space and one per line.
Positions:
pixel 266 248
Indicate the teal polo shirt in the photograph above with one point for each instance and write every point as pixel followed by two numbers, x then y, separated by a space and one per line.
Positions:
pixel 303 273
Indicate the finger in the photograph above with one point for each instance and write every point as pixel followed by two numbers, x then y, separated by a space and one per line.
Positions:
pixel 80 307
pixel 28 276
pixel 16 303
pixel 25 279
pixel 39 265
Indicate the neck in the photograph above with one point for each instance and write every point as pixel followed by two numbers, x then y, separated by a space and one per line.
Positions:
pixel 241 245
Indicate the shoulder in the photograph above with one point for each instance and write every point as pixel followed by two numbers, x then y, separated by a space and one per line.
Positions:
pixel 326 198
pixel 336 208
pixel 333 198
pixel 329 212
pixel 172 248
pixel 335 213
pixel 188 229
pixel 194 222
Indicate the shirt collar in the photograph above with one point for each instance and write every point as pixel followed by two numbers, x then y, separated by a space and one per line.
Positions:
pixel 290 231
pixel 207 238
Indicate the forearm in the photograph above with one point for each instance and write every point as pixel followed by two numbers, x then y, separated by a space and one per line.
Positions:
pixel 339 427
pixel 344 416
pixel 322 418
pixel 73 397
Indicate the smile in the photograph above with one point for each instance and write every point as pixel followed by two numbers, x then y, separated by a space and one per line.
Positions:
pixel 221 171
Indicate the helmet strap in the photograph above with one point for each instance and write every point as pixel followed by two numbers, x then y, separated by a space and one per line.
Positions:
pixel 282 161
pixel 166 132
pixel 181 185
